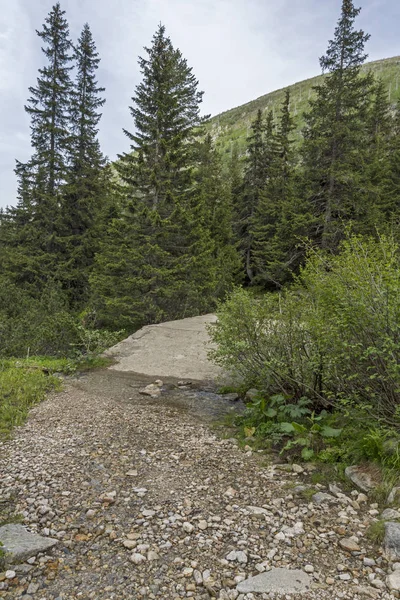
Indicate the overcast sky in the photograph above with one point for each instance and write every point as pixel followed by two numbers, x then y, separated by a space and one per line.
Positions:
pixel 239 50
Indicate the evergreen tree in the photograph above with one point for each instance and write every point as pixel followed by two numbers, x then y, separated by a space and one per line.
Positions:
pixel 255 174
pixel 86 187
pixel 392 183
pixel 48 105
pixel 215 194
pixel 281 218
pixel 335 133
pixel 161 243
pixel 30 231
pixel 377 203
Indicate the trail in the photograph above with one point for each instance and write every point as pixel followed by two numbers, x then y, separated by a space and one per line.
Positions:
pixel 148 500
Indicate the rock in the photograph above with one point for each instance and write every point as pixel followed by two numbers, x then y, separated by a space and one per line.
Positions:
pixel 298 469
pixel 349 545
pixel 309 569
pixel 390 513
pixel 203 524
pixel 394 496
pixel 197 576
pixel 132 473
pixel 137 558
pixel 231 397
pixel 278 581
pixel 393 581
pixel 187 527
pixel 251 395
pixel 153 390
pixel 366 477
pixel 148 513
pixel 152 555
pixel 321 497
pixel 19 544
pixel 257 511
pixel 237 556
pixel 109 497
pixel 369 562
pixel 10 574
pixel 130 544
pixel 391 541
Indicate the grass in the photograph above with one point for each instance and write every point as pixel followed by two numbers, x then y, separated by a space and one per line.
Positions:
pixel 376 532
pixel 25 382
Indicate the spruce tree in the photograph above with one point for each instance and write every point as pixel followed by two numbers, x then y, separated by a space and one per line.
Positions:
pixel 30 248
pixel 254 180
pixel 335 133
pixel 377 203
pixel 48 105
pixel 281 218
pixel 86 184
pixel 159 252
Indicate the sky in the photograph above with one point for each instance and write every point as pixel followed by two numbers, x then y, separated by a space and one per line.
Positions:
pixel 239 50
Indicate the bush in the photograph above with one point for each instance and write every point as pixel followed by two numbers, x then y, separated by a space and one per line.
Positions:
pixel 333 337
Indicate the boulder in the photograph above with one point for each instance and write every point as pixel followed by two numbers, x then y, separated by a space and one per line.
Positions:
pixel 391 542
pixel 277 581
pixel 20 544
pixel 366 477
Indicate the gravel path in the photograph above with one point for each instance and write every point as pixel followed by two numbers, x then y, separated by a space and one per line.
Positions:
pixel 149 502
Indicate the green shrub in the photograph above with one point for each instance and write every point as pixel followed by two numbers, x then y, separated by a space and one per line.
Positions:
pixel 333 337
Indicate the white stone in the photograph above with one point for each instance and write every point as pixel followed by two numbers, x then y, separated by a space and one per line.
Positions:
pixel 137 558
pixel 187 527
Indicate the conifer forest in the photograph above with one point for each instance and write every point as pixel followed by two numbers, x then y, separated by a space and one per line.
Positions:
pixel 92 250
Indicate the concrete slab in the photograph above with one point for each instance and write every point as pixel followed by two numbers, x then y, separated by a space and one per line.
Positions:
pixel 171 349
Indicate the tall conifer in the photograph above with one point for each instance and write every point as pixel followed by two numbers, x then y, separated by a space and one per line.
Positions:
pixel 335 132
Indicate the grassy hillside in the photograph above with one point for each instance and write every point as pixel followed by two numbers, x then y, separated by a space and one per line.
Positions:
pixel 233 125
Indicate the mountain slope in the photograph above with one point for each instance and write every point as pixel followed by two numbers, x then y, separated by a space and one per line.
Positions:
pixel 232 126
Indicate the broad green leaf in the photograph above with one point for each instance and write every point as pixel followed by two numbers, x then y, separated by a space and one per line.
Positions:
pixel 287 428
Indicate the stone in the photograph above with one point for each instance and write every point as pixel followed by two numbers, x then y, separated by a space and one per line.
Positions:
pixel 394 496
pixel 349 545
pixel 298 469
pixel 130 544
pixel 391 542
pixel 109 497
pixel 148 513
pixel 153 390
pixel 10 574
pixel 321 497
pixel 393 581
pixel 389 514
pixel 251 395
pixel 137 558
pixel 203 524
pixel 20 544
pixel 231 397
pixel 132 473
pixel 309 569
pixel 152 555
pixel 366 477
pixel 257 511
pixel 278 581
pixel 237 556
pixel 187 527
pixel 369 562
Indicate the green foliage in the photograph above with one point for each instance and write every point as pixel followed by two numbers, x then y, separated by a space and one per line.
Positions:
pixel 20 388
pixel 333 337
